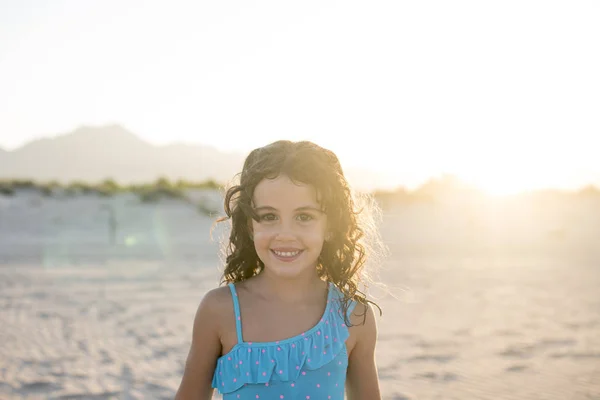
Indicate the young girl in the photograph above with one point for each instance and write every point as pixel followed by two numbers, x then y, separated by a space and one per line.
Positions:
pixel 291 322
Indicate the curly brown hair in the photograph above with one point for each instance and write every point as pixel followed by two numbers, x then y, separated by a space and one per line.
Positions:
pixel 343 257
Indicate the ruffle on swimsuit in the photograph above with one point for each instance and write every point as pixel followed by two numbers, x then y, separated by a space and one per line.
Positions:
pixel 284 360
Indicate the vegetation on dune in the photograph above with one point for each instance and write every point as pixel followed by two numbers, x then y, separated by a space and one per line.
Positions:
pixel 161 189
pixel 6 190
pixel 107 187
pixel 430 192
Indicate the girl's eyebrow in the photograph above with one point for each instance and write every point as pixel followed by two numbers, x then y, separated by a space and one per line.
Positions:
pixel 303 208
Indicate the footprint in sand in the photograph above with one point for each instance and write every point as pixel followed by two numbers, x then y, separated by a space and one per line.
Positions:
pixel 401 397
pixel 38 387
pixel 522 350
pixel 518 351
pixel 438 358
pixel 517 368
pixel 576 355
pixel 438 377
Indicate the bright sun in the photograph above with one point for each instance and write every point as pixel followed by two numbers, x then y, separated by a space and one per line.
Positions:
pixel 501 183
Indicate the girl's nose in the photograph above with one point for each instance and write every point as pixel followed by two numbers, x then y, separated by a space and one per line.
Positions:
pixel 285 230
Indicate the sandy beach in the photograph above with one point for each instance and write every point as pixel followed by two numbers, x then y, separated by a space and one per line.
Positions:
pixel 487 300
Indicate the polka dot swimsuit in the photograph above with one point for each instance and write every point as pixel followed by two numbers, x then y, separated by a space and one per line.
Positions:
pixel 308 366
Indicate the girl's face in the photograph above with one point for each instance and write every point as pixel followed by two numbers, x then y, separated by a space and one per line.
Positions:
pixel 289 235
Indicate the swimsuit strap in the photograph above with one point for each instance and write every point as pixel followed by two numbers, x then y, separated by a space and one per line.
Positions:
pixel 236 308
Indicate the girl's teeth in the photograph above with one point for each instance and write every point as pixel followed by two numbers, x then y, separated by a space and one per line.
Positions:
pixel 286 253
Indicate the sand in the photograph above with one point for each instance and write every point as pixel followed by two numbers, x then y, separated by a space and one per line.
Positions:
pixel 489 301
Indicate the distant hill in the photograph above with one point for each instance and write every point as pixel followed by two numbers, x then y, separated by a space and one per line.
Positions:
pixel 92 154
pixel 95 153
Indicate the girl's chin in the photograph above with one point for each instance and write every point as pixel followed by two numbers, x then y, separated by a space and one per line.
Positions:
pixel 289 268
pixel 288 272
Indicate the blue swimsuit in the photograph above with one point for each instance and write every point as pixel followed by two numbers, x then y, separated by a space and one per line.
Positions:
pixel 311 365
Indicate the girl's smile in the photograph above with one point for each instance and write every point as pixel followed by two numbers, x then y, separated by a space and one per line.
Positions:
pixel 286 255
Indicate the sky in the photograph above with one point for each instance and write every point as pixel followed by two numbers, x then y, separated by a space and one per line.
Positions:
pixel 504 95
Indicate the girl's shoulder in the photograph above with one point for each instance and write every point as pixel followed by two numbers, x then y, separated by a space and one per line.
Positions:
pixel 218 305
pixel 216 299
pixel 220 298
pixel 363 326
pixel 358 307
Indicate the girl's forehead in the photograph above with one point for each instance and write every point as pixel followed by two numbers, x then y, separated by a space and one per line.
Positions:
pixel 282 191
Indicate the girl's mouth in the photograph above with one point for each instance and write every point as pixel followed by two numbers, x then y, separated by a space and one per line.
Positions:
pixel 287 256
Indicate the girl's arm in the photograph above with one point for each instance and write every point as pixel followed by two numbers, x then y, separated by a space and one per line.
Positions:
pixel 362 381
pixel 204 351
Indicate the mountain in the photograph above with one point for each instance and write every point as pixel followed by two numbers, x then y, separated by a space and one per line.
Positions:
pixel 93 154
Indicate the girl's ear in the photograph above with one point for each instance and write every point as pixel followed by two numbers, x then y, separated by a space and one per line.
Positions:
pixel 328 236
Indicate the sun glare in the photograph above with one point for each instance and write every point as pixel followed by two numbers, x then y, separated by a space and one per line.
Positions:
pixel 503 183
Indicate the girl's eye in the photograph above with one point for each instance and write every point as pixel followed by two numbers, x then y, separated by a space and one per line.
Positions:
pixel 268 217
pixel 305 217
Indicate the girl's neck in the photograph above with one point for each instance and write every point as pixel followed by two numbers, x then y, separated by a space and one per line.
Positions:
pixel 290 290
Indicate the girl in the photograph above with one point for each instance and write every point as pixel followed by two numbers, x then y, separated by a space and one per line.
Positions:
pixel 292 322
